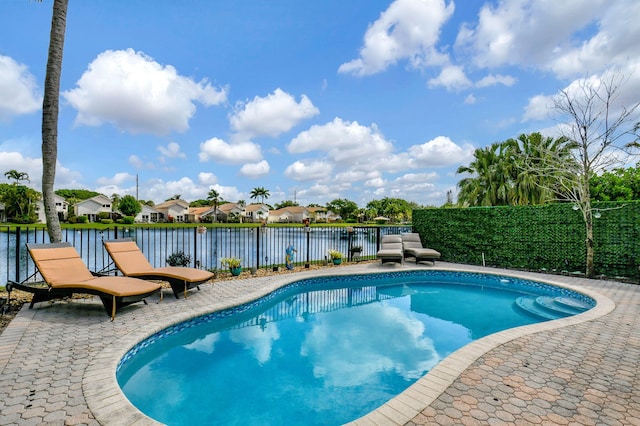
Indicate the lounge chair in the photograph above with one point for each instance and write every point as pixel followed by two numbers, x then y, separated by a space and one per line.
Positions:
pixel 390 249
pixel 64 274
pixel 128 258
pixel 412 247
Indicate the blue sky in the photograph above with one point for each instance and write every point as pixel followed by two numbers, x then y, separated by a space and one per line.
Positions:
pixel 358 99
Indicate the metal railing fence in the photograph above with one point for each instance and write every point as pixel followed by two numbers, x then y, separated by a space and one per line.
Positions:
pixel 258 247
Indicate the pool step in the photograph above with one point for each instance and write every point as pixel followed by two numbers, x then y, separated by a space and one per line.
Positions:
pixel 574 303
pixel 551 308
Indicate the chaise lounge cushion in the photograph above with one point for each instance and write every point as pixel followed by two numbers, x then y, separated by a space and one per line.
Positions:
pixel 390 249
pixel 412 247
pixel 132 262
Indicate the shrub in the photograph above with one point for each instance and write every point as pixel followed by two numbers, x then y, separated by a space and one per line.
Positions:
pixel 179 258
pixel 128 220
pixel 106 221
pixel 81 219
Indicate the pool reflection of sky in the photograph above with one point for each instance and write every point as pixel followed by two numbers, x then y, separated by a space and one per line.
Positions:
pixel 313 368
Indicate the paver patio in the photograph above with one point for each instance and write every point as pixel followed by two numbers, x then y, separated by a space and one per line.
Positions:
pixel 57 361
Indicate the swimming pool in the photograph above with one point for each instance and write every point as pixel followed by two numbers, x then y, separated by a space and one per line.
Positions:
pixel 321 351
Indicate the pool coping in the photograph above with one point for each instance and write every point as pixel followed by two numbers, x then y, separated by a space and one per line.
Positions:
pixel 109 405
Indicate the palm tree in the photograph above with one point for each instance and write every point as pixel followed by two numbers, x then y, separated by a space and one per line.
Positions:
pixel 260 192
pixel 490 183
pixel 50 108
pixel 17 176
pixel 215 197
pixel 534 182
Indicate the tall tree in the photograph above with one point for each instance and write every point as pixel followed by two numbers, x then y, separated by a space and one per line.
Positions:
pixel 50 109
pixel 597 124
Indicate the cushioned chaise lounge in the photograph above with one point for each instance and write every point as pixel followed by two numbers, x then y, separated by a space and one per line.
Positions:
pixel 390 249
pixel 65 273
pixel 128 258
pixel 412 247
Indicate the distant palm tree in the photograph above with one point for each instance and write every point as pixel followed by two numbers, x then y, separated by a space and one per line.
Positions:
pixel 260 192
pixel 215 197
pixel 17 176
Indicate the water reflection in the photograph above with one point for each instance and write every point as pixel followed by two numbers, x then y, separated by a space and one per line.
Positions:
pixel 326 356
pixel 351 347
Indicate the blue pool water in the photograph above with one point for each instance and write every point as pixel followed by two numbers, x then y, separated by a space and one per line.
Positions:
pixel 324 351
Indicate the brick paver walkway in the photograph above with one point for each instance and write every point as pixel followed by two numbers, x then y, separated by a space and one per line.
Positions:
pixel 57 361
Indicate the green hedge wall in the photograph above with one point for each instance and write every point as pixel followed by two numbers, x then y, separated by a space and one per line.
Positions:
pixel 550 237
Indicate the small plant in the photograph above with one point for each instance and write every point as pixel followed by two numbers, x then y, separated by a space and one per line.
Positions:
pixel 231 262
pixel 335 254
pixel 179 258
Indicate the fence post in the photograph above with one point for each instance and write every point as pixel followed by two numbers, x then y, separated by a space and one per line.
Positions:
pixel 258 231
pixel 378 238
pixel 17 278
pixel 195 247
pixel 307 229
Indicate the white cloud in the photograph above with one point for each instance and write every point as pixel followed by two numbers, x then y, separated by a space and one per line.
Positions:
pixel 314 170
pixel 625 80
pixel 272 115
pixel 19 93
pixel 408 29
pixel 377 182
pixel 136 94
pixel 172 150
pixel 451 78
pixel 494 79
pixel 135 161
pixel 218 150
pixel 206 178
pixel 255 170
pixel 65 178
pixel 550 35
pixel 343 141
pixel 117 179
pixel 470 99
pixel 538 108
pixel 440 151
pixel 160 190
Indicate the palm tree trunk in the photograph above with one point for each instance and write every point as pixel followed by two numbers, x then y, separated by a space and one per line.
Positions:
pixel 50 108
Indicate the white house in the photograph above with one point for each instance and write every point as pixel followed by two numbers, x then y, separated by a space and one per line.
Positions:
pixel 62 208
pixel 256 212
pixel 149 215
pixel 174 210
pixel 228 211
pixel 91 207
pixel 291 214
